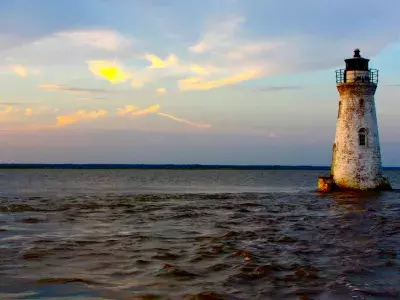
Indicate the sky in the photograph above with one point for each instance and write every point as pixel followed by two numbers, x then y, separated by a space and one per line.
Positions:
pixel 177 81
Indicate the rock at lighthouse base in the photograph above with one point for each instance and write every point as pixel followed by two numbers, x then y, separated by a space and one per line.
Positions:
pixel 326 184
pixel 385 185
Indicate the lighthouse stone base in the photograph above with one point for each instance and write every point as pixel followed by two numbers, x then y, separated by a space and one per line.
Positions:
pixel 327 184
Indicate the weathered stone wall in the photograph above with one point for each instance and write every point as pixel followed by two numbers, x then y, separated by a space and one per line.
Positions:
pixel 355 166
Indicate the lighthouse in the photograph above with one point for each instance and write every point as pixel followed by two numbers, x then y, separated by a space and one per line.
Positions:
pixel 356 154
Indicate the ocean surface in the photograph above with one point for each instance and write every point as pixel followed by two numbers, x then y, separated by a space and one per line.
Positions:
pixel 194 234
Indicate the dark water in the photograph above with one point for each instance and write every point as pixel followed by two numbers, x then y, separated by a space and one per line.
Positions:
pixel 183 234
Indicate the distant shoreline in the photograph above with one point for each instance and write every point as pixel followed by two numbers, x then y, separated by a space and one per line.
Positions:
pixel 167 166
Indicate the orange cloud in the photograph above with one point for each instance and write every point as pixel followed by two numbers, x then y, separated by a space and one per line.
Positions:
pixel 10 110
pixel 7 110
pixel 39 110
pixel 198 125
pixel 19 70
pixel 158 63
pixel 51 87
pixel 28 111
pixel 196 83
pixel 161 91
pixel 133 111
pixel 126 110
pixel 146 111
pixel 109 70
pixel 198 70
pixel 80 115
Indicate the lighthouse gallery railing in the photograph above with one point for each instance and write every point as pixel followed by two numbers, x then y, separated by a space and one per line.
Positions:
pixel 370 76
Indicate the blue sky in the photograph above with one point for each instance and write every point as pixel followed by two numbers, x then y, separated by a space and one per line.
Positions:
pixel 163 81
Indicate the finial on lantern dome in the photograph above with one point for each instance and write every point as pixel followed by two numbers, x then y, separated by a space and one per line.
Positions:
pixel 357 53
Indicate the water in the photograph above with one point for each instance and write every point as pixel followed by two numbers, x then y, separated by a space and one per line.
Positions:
pixel 194 234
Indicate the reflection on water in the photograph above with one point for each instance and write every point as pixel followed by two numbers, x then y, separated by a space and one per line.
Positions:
pixel 140 234
pixel 356 200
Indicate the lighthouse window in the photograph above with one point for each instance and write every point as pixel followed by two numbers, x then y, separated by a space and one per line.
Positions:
pixel 362 137
pixel 340 106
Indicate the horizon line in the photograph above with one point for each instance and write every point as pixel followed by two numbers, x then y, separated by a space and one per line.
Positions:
pixel 161 166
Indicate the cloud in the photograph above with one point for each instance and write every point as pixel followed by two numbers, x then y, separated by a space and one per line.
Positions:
pixel 200 47
pixel 105 39
pixel 133 111
pixel 80 115
pixel 268 21
pixel 219 34
pixel 161 91
pixel 19 70
pixel 11 110
pixel 85 92
pixel 68 48
pixel 126 110
pixel 235 45
pixel 196 83
pixel 247 35
pixel 224 51
pixel 90 98
pixel 180 120
pixel 109 70
pixel 8 110
pixel 28 111
pixel 226 46
pixel 252 48
pixel 146 111
pixel 198 70
pixel 71 89
pixel 158 63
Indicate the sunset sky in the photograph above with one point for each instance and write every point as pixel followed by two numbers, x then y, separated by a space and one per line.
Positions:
pixel 188 81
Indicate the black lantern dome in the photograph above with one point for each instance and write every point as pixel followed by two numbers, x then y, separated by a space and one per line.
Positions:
pixel 357 71
pixel 357 63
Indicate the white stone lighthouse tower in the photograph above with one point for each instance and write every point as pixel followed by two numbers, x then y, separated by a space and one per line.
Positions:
pixel 356 158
